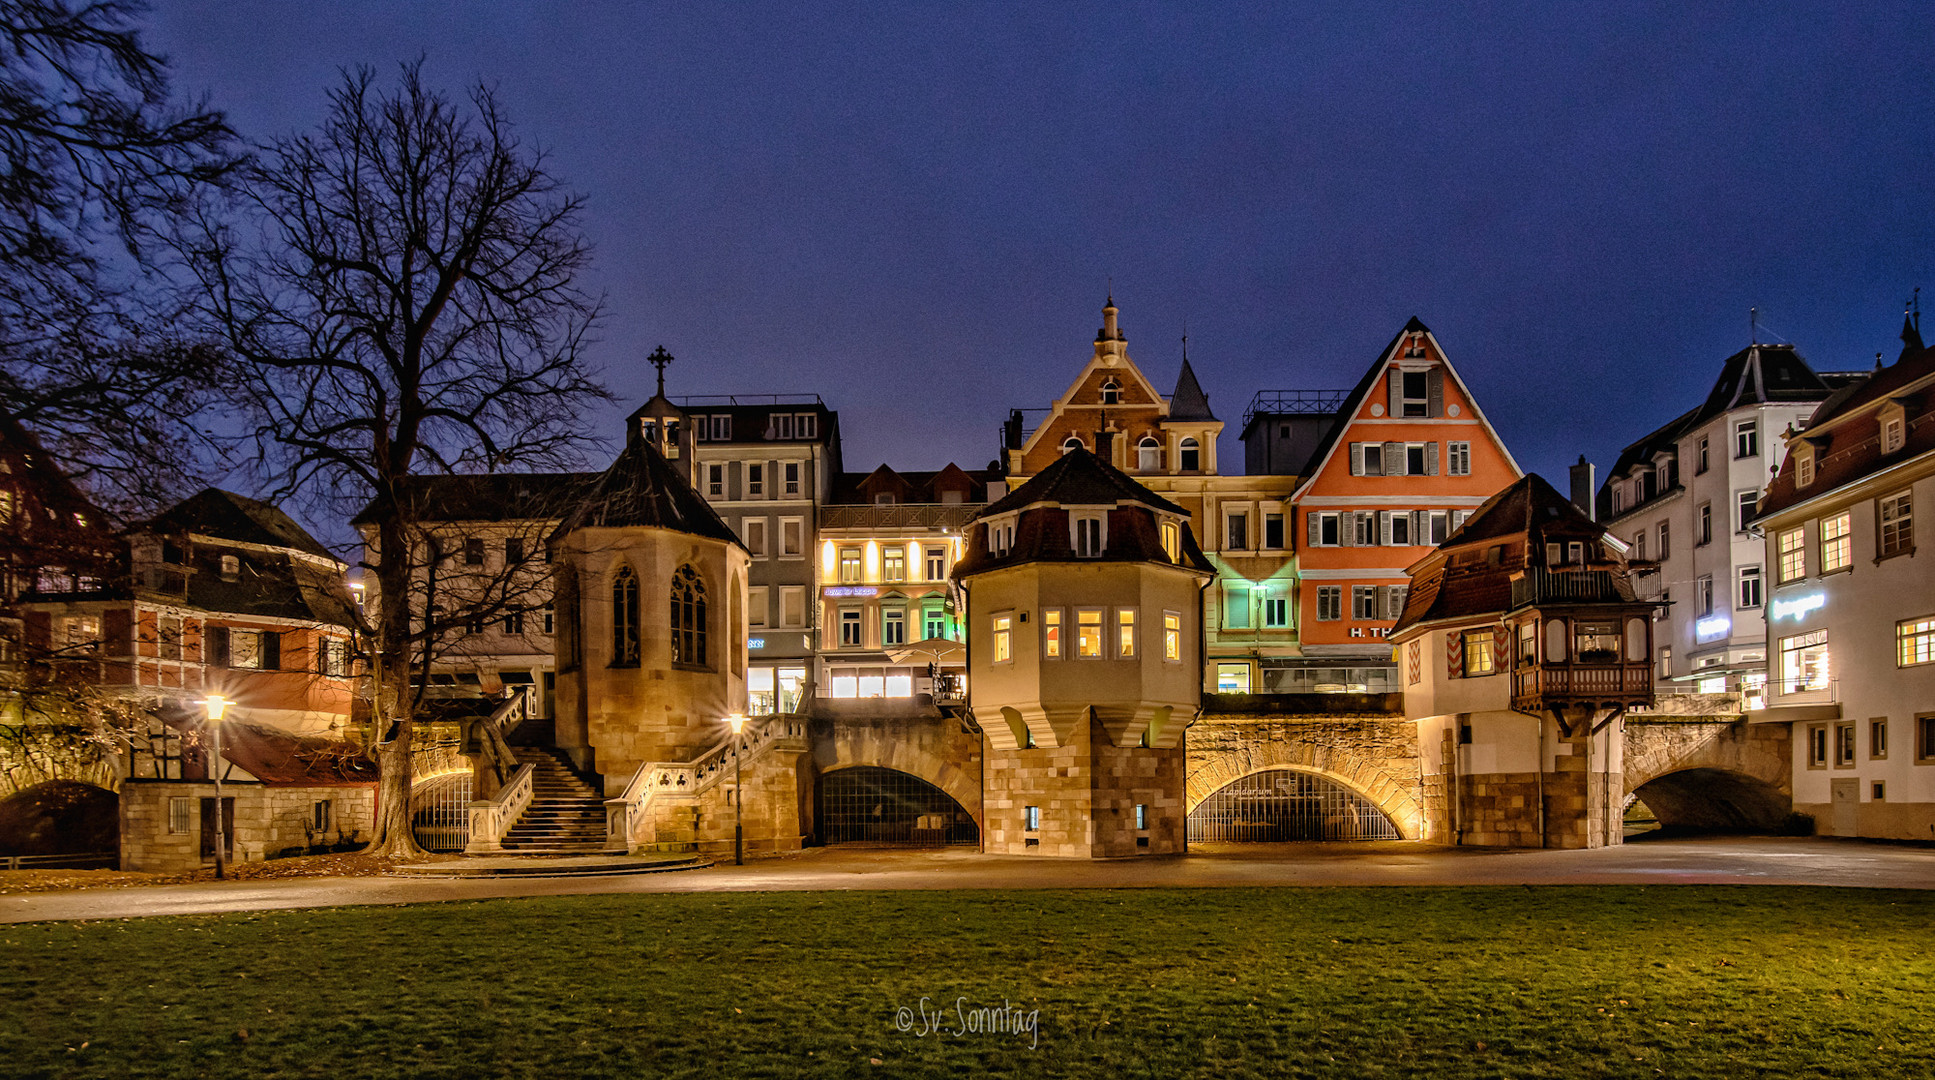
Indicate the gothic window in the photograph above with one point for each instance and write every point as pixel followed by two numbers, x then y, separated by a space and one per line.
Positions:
pixel 688 618
pixel 624 618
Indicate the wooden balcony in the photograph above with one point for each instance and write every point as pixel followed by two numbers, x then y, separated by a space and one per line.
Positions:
pixel 1547 685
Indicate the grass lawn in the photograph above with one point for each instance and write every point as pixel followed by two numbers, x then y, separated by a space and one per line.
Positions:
pixel 1224 983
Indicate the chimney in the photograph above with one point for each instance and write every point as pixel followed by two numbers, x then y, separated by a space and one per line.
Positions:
pixel 1583 488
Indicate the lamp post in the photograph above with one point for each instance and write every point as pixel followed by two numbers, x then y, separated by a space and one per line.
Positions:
pixel 738 723
pixel 216 703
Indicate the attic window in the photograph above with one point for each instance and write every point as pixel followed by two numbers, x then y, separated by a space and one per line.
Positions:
pixel 883 499
pixel 1090 537
pixel 1803 465
pixel 231 568
pixel 1111 392
pixel 1071 443
pixel 1892 430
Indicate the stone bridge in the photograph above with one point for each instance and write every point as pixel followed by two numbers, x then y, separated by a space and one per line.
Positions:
pixel 1715 772
pixel 933 747
pixel 1374 754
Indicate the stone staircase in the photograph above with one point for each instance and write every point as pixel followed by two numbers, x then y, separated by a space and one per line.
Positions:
pixel 567 811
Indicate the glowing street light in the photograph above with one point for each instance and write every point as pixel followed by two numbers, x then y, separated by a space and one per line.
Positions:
pixel 217 705
pixel 738 723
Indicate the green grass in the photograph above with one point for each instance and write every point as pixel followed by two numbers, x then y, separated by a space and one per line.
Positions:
pixel 1225 983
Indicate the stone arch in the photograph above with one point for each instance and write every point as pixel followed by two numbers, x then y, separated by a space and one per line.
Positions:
pixel 1288 803
pixel 905 809
pixel 60 817
pixel 1715 800
pixel 1394 796
pixel 933 749
pixel 1654 749
pixel 439 811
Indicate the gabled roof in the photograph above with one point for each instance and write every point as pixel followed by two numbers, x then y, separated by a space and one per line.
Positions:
pixel 488 496
pixel 1189 402
pixel 643 489
pixel 918 487
pixel 1845 431
pixel 224 515
pixel 1079 478
pixel 1354 401
pixel 1530 505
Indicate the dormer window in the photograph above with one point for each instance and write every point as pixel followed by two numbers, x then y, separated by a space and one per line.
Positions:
pixel 883 499
pixel 1071 443
pixel 1192 456
pixel 1172 540
pixel 231 568
pixel 1803 465
pixel 1111 392
pixel 1148 454
pixel 1090 537
pixel 1891 435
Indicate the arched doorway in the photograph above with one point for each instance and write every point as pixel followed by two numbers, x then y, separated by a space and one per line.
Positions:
pixel 61 817
pixel 440 812
pixel 1715 801
pixel 866 804
pixel 1287 804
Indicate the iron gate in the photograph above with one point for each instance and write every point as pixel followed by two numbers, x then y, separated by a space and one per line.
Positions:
pixel 440 812
pixel 1283 804
pixel 886 807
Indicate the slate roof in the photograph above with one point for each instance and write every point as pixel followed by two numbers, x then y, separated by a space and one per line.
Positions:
pixel 283 759
pixel 1189 402
pixel 1079 478
pixel 643 489
pixel 1846 431
pixel 915 487
pixel 224 515
pixel 489 496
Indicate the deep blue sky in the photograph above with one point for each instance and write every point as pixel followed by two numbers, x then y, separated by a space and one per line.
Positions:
pixel 914 209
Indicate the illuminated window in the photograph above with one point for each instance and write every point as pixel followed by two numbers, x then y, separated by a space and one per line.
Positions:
pixel 1088 632
pixel 1003 638
pixel 849 565
pixel 1125 633
pixel 1804 662
pixel 1897 524
pixel 1172 540
pixel 1232 678
pixel 893 564
pixel 1595 642
pixel 1478 653
pixel 937 564
pixel 1051 634
pixel 1915 642
pixel 1792 548
pixel 1171 636
pixel 688 618
pixel 1837 546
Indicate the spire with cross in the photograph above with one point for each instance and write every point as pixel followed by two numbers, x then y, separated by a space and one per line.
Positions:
pixel 659 359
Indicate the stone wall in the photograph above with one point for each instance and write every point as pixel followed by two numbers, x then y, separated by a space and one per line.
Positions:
pixel 268 821
pixel 1375 755
pixel 1086 791
pixel 774 783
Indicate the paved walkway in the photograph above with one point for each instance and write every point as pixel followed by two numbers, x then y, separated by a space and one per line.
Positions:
pixel 1730 861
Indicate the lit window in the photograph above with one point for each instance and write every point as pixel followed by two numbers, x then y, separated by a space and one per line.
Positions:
pixel 849 565
pixel 893 564
pixel 1125 633
pixel 1595 642
pixel 1915 642
pixel 1003 638
pixel 1837 546
pixel 1172 540
pixel 1897 524
pixel 1171 636
pixel 1232 678
pixel 1792 548
pixel 1051 634
pixel 1088 633
pixel 1804 662
pixel 1478 653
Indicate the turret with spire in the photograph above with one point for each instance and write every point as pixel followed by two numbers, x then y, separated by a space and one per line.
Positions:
pixel 662 423
pixel 1111 345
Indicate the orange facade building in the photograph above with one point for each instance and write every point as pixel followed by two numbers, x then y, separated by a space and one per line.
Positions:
pixel 1409 456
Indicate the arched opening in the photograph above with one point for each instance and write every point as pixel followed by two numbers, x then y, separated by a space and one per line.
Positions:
pixel 866 804
pixel 1694 801
pixel 60 817
pixel 1287 804
pixel 1148 455
pixel 1071 443
pixel 1111 391
pixel 440 812
pixel 624 618
pixel 1191 457
pixel 688 618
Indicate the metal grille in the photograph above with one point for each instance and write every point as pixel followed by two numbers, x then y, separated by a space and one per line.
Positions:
pixel 885 807
pixel 1282 804
pixel 440 812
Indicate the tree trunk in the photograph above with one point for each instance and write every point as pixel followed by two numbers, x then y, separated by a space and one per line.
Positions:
pixel 391 701
pixel 394 837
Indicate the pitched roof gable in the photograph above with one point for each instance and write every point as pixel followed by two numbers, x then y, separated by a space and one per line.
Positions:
pixel 643 489
pixel 224 515
pixel 1079 478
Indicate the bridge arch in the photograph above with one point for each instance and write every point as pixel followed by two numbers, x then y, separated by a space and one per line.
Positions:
pixel 60 817
pixel 1288 804
pixel 1394 795
pixel 933 749
pixel 868 804
pixel 1715 800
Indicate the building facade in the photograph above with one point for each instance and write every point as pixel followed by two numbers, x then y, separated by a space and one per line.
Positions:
pixel 1851 611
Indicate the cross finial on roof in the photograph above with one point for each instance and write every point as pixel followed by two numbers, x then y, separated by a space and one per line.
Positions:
pixel 659 359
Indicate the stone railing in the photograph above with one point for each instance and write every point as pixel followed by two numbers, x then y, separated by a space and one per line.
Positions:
pixel 654 781
pixel 491 818
pixel 492 732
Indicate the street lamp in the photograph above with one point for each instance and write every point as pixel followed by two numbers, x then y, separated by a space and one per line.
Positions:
pixel 738 723
pixel 217 704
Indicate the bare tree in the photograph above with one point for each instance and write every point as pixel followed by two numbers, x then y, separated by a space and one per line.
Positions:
pixel 95 165
pixel 401 287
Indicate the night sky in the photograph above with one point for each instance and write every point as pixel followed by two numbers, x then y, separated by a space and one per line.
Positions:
pixel 915 210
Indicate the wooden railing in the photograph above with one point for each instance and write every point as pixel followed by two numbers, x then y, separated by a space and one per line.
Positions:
pixel 626 815
pixel 491 818
pixel 1583 680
